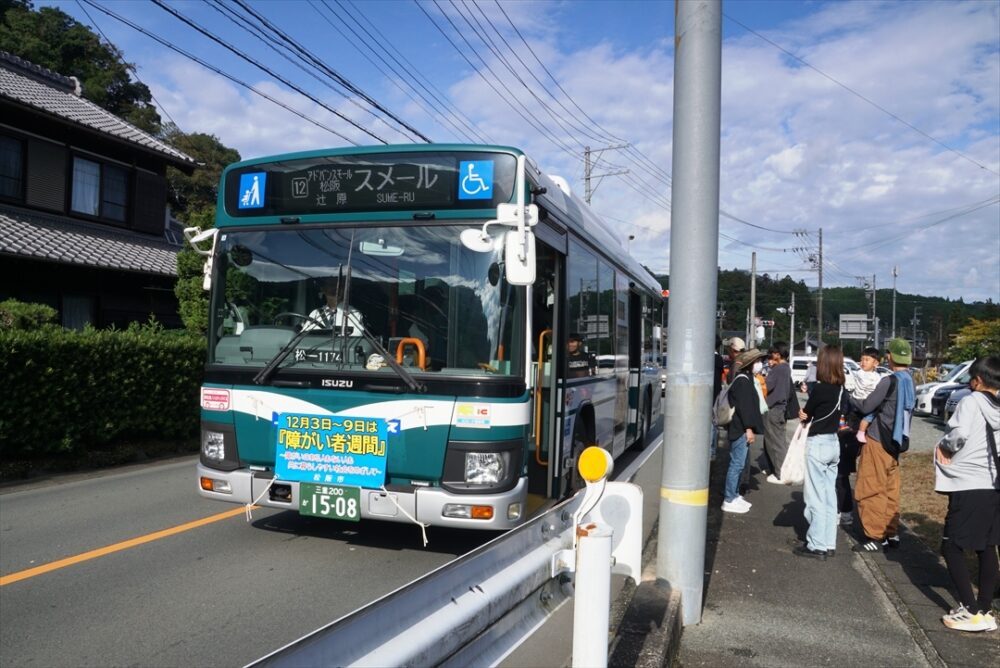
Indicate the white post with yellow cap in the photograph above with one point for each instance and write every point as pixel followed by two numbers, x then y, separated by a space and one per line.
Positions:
pixel 592 589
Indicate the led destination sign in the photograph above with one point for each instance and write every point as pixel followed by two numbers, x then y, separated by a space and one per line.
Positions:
pixel 375 182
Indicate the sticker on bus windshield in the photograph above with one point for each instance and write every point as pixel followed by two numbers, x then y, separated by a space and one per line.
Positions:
pixel 475 179
pixel 331 449
pixel 252 190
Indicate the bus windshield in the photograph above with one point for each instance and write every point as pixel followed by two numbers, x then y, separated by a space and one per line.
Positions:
pixel 328 292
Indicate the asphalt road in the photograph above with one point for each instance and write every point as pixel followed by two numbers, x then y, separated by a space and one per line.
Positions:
pixel 223 593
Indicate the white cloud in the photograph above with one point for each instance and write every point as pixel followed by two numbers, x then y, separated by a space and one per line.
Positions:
pixel 798 150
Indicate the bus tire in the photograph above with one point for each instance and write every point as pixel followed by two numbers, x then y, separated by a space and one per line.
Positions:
pixel 581 441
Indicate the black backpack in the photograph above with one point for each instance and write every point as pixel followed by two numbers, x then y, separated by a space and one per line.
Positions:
pixel 894 448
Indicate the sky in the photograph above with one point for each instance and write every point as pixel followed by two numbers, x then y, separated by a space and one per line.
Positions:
pixel 875 122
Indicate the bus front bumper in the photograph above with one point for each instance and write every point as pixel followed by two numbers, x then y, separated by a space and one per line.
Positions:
pixel 424 504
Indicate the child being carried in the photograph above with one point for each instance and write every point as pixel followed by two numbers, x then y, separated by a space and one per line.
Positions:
pixel 861 383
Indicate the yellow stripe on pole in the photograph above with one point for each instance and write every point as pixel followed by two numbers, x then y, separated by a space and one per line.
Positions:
pixel 686 497
pixel 117 547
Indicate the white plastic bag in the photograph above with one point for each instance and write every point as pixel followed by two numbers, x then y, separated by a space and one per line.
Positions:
pixel 793 469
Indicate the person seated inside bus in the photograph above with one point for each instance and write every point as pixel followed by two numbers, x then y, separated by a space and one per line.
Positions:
pixel 330 315
pixel 578 363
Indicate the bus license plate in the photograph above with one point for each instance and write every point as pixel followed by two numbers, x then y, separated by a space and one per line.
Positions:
pixel 333 501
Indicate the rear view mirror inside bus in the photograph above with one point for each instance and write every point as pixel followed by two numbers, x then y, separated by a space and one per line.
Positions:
pixel 380 248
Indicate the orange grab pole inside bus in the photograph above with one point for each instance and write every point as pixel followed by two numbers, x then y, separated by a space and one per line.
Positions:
pixel 538 396
pixel 421 356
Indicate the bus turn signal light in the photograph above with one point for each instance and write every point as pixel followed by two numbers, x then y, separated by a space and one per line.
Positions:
pixel 482 512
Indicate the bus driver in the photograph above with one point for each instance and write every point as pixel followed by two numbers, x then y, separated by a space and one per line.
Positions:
pixel 331 315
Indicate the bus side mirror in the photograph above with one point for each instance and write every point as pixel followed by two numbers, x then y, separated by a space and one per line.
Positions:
pixel 519 257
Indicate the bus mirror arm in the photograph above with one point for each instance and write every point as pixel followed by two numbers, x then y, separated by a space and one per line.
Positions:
pixel 194 237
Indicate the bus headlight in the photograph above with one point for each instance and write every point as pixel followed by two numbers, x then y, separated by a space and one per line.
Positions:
pixel 486 468
pixel 213 445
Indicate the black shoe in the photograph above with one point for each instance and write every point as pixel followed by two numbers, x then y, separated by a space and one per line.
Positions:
pixel 891 542
pixel 869 546
pixel 830 554
pixel 803 551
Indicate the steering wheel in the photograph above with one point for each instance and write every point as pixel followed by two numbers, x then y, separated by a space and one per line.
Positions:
pixel 303 318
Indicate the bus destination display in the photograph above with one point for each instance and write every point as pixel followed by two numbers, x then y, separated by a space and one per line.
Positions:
pixel 337 184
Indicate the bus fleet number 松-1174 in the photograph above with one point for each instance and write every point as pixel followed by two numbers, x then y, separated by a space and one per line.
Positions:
pixel 341 503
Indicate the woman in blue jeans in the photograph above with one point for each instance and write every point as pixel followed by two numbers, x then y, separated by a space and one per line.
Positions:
pixel 746 423
pixel 824 407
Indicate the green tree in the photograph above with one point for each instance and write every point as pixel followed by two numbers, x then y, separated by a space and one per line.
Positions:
pixel 53 39
pixel 199 190
pixel 976 339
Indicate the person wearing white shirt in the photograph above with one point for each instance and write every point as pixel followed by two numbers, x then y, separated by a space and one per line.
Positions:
pixel 331 314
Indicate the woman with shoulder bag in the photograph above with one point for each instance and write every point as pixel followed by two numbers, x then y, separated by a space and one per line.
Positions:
pixel 823 408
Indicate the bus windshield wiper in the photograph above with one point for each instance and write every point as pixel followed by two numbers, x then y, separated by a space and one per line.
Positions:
pixel 265 374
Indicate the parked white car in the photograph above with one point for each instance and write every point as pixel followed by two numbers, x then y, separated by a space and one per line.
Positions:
pixel 925 392
pixel 799 366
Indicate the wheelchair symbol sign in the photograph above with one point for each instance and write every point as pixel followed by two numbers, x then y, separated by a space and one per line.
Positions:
pixel 475 179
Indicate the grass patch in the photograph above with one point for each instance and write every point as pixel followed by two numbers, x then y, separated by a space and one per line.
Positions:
pixel 920 507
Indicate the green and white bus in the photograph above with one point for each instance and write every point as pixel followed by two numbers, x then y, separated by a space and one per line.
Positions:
pixel 388 336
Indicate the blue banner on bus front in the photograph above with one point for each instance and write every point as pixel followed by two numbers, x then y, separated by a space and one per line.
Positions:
pixel 331 449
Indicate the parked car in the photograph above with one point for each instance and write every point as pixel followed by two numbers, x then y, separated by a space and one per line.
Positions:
pixel 883 371
pixel 942 394
pixel 799 366
pixel 925 392
pixel 952 403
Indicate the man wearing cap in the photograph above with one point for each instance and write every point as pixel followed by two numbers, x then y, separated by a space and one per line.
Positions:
pixel 743 427
pixel 877 487
pixel 735 346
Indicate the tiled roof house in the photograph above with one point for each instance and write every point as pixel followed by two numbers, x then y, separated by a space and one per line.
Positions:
pixel 83 212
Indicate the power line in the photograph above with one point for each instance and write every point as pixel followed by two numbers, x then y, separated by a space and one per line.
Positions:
pixel 435 99
pixel 130 66
pixel 859 95
pixel 218 71
pixel 167 8
pixel 343 81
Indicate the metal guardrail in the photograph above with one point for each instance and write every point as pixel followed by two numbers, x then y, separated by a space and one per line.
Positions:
pixel 472 611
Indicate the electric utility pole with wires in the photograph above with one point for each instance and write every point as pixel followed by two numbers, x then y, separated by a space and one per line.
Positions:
pixel 588 167
pixel 814 255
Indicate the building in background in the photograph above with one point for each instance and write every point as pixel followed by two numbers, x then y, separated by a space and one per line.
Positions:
pixel 84 223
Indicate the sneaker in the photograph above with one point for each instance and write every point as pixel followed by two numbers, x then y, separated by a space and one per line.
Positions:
pixel 961 619
pixel 846 519
pixel 742 500
pixel 803 551
pixel 892 542
pixel 861 437
pixel 868 546
pixel 774 480
pixel 735 506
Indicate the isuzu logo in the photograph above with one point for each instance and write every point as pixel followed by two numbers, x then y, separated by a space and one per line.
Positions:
pixel 337 382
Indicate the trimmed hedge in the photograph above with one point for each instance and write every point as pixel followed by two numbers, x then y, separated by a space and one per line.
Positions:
pixel 67 392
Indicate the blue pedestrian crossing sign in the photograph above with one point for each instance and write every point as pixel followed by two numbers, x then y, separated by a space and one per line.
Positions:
pixel 475 179
pixel 252 190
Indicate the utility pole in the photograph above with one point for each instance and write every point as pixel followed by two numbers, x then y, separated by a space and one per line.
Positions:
pixel 694 281
pixel 913 324
pixel 752 318
pixel 819 334
pixel 874 311
pixel 792 311
pixel 895 273
pixel 588 167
